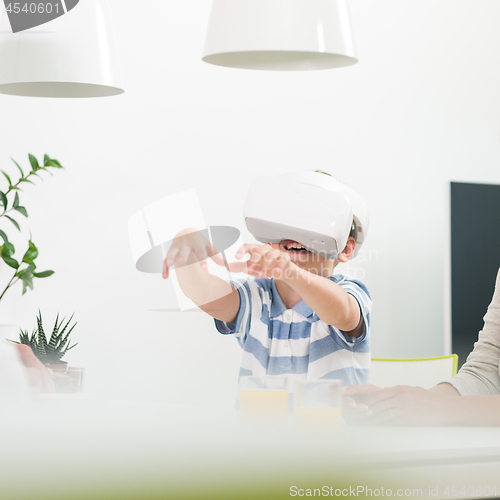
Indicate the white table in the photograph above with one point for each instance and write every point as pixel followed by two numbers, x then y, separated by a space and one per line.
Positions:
pixel 146 450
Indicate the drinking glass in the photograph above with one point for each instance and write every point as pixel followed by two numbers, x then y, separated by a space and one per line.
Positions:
pixel 76 377
pixel 318 405
pixel 264 401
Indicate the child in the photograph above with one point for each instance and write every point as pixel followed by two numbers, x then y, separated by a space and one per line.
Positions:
pixel 296 318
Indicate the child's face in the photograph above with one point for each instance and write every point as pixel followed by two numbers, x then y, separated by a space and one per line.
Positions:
pixel 303 258
pixel 313 262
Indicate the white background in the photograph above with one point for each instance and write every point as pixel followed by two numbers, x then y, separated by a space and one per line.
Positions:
pixel 421 108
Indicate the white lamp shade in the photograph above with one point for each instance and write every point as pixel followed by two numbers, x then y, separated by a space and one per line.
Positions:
pixel 71 56
pixel 280 34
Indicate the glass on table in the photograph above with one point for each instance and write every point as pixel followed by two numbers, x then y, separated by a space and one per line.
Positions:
pixel 69 381
pixel 264 401
pixel 76 375
pixel 318 405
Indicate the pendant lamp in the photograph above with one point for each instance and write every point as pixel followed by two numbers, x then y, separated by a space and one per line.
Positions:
pixel 283 35
pixel 71 56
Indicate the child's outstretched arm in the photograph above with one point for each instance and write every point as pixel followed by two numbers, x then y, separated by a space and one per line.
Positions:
pixel 330 301
pixel 189 253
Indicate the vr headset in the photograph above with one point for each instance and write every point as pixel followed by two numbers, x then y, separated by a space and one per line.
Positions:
pixel 310 208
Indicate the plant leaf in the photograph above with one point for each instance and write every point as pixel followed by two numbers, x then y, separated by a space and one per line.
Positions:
pixel 66 350
pixel 7 252
pixel 26 276
pixel 4 236
pixel 66 325
pixel 43 274
pixel 16 201
pixel 31 254
pixel 48 352
pixel 11 262
pixel 53 335
pixel 66 339
pixel 14 222
pixel 21 210
pixel 8 178
pixel 34 163
pixel 8 249
pixel 3 199
pixel 17 165
pixel 51 162
pixel 63 341
pixel 42 339
pixel 26 180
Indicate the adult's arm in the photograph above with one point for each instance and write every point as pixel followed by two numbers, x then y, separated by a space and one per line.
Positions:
pixel 406 405
pixel 38 376
pixel 415 406
pixel 480 376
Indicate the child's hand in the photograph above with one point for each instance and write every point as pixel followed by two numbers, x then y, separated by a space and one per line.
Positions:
pixel 265 261
pixel 188 247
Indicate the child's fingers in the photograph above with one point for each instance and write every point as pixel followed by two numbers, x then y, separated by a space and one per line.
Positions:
pixel 263 260
pixel 171 256
pixel 267 261
pixel 215 255
pixel 244 267
pixel 201 256
pixel 246 248
pixel 237 267
pixel 271 263
pixel 255 255
pixel 259 252
pixel 217 258
pixel 272 258
pixel 180 256
pixel 211 250
pixel 183 255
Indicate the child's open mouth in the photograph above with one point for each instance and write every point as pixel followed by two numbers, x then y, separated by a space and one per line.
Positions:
pixel 294 247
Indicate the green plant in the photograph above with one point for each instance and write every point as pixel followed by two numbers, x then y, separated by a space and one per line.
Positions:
pixel 25 270
pixel 48 351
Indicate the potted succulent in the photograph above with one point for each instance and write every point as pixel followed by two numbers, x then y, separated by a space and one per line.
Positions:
pixel 24 270
pixel 50 351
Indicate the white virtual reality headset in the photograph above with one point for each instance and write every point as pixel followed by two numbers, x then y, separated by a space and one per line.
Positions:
pixel 310 208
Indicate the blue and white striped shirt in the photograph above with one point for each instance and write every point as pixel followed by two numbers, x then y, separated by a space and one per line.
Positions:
pixel 281 341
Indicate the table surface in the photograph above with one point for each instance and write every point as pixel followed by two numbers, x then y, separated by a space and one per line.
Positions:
pixel 100 448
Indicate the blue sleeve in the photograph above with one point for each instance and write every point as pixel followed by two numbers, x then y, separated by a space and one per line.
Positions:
pixel 359 291
pixel 245 305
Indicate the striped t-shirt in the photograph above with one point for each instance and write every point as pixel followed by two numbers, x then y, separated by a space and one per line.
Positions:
pixel 281 341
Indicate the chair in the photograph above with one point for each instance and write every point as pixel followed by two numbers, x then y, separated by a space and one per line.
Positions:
pixel 424 372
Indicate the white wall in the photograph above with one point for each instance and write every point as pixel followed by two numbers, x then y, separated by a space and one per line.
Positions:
pixel 421 108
